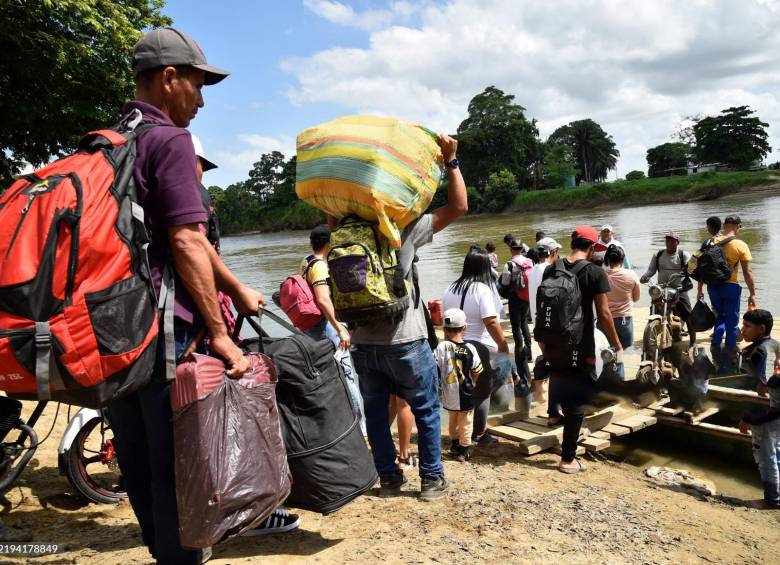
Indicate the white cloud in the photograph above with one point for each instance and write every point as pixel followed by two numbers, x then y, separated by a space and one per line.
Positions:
pixel 343 14
pixel 638 68
pixel 237 159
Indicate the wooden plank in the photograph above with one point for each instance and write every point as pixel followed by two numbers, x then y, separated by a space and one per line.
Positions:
pixel 512 433
pixel 735 395
pixel 530 427
pixel 668 411
pixel 505 418
pixel 615 431
pixel 703 427
pixel 637 422
pixel 595 444
pixel 692 418
pixel 601 435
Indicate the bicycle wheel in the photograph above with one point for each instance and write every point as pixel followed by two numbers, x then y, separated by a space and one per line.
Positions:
pixel 91 464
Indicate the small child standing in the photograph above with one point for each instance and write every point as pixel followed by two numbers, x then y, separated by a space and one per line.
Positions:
pixel 459 369
pixel 764 423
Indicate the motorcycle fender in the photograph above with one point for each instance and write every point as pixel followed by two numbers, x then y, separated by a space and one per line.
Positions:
pixel 83 416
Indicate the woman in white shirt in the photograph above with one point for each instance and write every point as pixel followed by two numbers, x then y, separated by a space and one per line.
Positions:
pixel 475 293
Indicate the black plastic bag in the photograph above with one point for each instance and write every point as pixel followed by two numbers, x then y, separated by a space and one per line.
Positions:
pixel 702 318
pixel 230 461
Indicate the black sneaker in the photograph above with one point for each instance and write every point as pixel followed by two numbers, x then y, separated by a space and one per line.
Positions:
pixel 278 522
pixel 433 488
pixel 485 440
pixel 463 454
pixel 390 485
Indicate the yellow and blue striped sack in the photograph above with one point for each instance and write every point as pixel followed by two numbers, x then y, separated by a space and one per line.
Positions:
pixel 379 169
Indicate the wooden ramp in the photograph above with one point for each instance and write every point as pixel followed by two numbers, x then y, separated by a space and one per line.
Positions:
pixel 534 436
pixel 676 417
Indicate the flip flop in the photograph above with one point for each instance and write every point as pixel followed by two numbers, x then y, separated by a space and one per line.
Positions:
pixel 581 467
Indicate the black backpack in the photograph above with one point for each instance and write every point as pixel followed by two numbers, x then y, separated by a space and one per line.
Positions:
pixel 711 264
pixel 559 317
pixel 327 455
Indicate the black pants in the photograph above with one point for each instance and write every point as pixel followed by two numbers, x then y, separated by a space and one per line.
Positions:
pixel 518 319
pixel 572 391
pixel 143 435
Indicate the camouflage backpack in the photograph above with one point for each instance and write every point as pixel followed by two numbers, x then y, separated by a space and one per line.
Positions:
pixel 365 281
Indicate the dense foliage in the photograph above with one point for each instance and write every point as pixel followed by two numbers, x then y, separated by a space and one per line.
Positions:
pixel 635 175
pixel 662 158
pixel 735 137
pixel 592 147
pixel 64 70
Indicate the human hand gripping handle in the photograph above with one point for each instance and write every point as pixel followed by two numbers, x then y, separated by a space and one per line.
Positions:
pixel 231 354
pixel 247 301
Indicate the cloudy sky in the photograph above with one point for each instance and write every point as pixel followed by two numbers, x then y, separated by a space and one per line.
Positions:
pixel 636 67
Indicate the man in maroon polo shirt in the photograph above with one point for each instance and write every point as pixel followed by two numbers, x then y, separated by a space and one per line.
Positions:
pixel 170 69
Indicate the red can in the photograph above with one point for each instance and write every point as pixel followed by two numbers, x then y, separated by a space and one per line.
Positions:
pixel 436 312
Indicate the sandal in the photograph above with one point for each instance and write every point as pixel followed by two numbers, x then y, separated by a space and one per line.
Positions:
pixel 581 467
pixel 408 462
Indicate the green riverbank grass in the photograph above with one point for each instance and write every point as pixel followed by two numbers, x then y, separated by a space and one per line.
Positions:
pixel 703 186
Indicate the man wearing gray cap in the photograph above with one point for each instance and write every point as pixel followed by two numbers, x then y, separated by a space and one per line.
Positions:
pixel 170 69
pixel 667 262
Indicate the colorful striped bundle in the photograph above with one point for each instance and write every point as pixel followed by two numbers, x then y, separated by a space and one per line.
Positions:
pixel 380 169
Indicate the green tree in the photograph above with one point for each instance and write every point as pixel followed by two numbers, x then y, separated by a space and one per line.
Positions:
pixel 592 147
pixel 500 191
pixel 635 175
pixel 266 174
pixel 496 135
pixel 559 164
pixel 65 69
pixel 735 137
pixel 667 156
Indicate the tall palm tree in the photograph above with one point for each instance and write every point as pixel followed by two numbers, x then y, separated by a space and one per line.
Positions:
pixel 593 148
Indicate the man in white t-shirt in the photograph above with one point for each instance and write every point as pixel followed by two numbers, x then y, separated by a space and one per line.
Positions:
pixel 607 238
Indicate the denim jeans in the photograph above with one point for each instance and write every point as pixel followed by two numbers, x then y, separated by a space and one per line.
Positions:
pixel 624 327
pixel 518 320
pixel 725 301
pixel 324 330
pixel 143 435
pixel 766 450
pixel 411 372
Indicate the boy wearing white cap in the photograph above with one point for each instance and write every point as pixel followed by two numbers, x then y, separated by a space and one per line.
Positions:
pixel 459 368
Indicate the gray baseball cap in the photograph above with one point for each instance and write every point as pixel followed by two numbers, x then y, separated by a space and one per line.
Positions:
pixel 169 47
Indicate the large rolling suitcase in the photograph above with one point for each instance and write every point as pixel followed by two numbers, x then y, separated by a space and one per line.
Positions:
pixel 328 457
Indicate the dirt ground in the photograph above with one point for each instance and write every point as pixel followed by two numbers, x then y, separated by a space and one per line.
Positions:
pixel 502 507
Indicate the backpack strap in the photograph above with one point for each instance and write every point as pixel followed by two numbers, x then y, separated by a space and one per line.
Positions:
pixel 463 296
pixel 726 240
pixel 581 264
pixel 309 265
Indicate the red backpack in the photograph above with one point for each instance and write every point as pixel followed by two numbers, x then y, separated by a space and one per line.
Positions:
pixel 297 300
pixel 78 313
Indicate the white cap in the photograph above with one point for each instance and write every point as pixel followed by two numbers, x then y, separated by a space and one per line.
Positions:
pixel 454 318
pixel 207 165
pixel 548 243
pixel 607 227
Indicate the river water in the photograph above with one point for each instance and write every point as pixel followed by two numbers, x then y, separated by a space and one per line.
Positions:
pixel 263 260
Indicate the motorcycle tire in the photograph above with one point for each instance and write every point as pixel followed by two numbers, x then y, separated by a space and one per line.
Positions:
pixel 76 472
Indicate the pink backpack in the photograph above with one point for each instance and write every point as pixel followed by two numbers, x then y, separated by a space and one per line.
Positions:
pixel 297 300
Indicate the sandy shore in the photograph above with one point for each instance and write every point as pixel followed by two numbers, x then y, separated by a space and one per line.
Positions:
pixel 502 507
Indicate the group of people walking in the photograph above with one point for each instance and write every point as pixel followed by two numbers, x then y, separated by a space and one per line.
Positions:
pixel 389 365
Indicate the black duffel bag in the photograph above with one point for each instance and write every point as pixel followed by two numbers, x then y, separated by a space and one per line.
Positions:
pixel 326 451
pixel 701 318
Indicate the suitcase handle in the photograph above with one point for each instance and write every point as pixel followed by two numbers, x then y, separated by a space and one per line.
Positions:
pixel 257 325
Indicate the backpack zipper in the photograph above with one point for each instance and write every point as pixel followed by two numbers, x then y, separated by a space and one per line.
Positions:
pixel 309 365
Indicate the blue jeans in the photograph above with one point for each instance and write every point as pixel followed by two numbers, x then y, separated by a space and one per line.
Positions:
pixel 624 327
pixel 410 370
pixel 725 301
pixel 324 330
pixel 143 435
pixel 766 450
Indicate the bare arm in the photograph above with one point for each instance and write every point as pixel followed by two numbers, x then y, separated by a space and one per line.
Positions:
pixel 493 327
pixel 652 268
pixel 636 293
pixel 605 320
pixel 457 200
pixel 747 270
pixel 190 251
pixel 322 298
pixel 245 299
